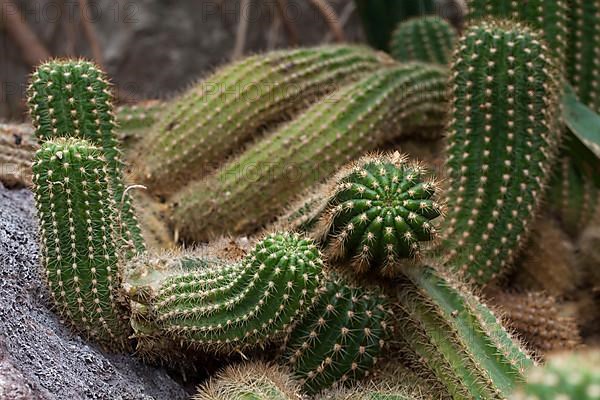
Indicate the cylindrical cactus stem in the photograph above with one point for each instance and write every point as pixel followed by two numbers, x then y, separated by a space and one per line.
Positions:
pixel 502 141
pixel 427 39
pixel 341 337
pixel 223 112
pixel 304 213
pixel 449 334
pixel 565 376
pixel 17 149
pixel 241 305
pixel 78 225
pixel 583 51
pixel 250 190
pixel 144 115
pixel 380 391
pixel 252 381
pixel 72 99
pixel 550 17
pixel 380 211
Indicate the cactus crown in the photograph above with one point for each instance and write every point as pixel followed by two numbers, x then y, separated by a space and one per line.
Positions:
pixel 380 210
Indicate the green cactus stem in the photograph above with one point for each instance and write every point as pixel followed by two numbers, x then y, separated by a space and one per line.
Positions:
pixel 382 391
pixel 427 39
pixel 583 51
pixel 379 212
pixel 250 190
pixel 139 116
pixel 243 304
pixel 450 335
pixel 79 227
pixel 253 381
pixel 220 114
pixel 549 17
pixel 304 213
pixel 565 376
pixel 72 99
pixel 340 339
pixel 502 141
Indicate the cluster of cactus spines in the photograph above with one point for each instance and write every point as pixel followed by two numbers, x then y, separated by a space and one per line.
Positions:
pixel 79 231
pixel 550 17
pixel 247 192
pixel 72 99
pixel 574 376
pixel 16 153
pixel 583 51
pixel 502 139
pixel 548 263
pixel 451 335
pixel 223 113
pixel 252 381
pixel 536 317
pixel 427 39
pixel 245 304
pixel 341 337
pixel 379 212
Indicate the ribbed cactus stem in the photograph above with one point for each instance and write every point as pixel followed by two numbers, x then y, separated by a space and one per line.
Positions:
pixel 72 99
pixel 502 141
pixel 250 190
pixel 380 211
pixel 449 334
pixel 223 112
pixel 341 337
pixel 253 381
pixel 138 116
pixel 427 39
pixel 78 226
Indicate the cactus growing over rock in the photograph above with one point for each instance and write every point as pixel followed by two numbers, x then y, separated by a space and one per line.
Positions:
pixel 73 99
pixel 79 230
pixel 428 39
pixel 451 336
pixel 223 112
pixel 250 190
pixel 380 210
pixel 565 376
pixel 502 140
pixel 341 337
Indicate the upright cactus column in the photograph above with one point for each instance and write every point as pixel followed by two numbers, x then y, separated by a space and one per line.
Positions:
pixel 79 228
pixel 427 39
pixel 223 112
pixel 455 339
pixel 502 141
pixel 72 99
pixel 250 190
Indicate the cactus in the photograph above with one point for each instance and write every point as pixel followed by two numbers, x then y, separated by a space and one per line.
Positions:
pixel 139 116
pixel 428 39
pixel 73 99
pixel 341 337
pixel 225 111
pixel 537 318
pixel 78 225
pixel 380 210
pixel 304 213
pixel 372 392
pixel 501 145
pixel 17 150
pixel 247 192
pixel 583 51
pixel 245 304
pixel 254 381
pixel 565 376
pixel 550 17
pixel 449 334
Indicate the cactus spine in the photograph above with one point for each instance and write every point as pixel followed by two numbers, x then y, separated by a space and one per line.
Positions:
pixel 73 99
pixel 380 210
pixel 450 334
pixel 565 376
pixel 427 39
pixel 244 304
pixel 255 381
pixel 79 227
pixel 224 112
pixel 248 191
pixel 502 139
pixel 341 337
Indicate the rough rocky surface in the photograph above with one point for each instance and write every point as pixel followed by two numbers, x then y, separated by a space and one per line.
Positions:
pixel 39 357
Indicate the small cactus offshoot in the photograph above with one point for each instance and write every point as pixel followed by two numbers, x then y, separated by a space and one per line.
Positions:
pixel 380 211
pixel 427 39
